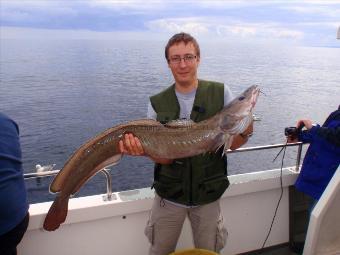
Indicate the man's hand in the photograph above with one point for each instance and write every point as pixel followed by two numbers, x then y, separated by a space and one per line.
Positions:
pixel 307 123
pixel 292 139
pixel 131 145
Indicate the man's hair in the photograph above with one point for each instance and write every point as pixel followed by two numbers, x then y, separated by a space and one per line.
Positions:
pixel 181 37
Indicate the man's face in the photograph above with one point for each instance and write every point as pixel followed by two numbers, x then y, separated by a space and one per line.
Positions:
pixel 183 62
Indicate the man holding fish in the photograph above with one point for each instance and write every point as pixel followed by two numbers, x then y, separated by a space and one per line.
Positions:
pixel 188 186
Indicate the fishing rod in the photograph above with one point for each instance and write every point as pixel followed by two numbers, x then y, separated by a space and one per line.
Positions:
pixel 281 192
pixel 290 132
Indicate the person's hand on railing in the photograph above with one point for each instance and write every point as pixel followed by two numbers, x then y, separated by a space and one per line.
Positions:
pixel 292 139
pixel 292 133
pixel 306 123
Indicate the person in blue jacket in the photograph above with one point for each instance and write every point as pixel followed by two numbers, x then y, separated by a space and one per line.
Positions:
pixel 321 160
pixel 14 215
pixel 322 157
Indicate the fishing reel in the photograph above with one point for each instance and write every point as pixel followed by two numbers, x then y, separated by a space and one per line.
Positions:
pixel 293 132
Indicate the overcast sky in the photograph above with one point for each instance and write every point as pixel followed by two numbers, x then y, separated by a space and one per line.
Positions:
pixel 300 22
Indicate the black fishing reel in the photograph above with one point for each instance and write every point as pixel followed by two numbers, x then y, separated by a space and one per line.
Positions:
pixel 293 132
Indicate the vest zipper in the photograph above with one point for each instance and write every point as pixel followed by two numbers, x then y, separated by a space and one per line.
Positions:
pixel 190 184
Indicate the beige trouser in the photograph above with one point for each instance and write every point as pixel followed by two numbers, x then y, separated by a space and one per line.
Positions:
pixel 166 220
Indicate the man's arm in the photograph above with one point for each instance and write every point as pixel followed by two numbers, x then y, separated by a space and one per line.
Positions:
pixel 242 138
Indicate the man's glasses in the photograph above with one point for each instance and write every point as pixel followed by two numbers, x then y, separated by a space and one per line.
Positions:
pixel 189 58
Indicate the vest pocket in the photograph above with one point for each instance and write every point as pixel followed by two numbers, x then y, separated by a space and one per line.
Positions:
pixel 213 189
pixel 169 181
pixel 213 166
pixel 168 190
pixel 172 173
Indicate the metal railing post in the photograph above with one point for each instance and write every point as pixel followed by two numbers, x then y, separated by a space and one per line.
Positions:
pixel 108 196
pixel 298 157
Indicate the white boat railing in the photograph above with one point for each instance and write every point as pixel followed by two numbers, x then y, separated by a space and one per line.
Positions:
pixel 273 146
pixel 105 171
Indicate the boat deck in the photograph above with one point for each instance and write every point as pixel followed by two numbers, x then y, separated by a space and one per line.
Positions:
pixel 250 200
pixel 277 250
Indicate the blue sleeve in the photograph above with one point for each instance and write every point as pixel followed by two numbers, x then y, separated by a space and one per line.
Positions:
pixel 307 136
pixel 331 133
pixel 13 196
pixel 10 150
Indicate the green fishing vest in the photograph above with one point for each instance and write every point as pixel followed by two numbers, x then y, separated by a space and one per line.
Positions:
pixel 195 180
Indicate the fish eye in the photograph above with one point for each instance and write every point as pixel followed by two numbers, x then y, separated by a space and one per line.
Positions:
pixel 241 98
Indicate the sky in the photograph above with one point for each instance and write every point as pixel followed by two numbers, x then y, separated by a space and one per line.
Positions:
pixel 310 23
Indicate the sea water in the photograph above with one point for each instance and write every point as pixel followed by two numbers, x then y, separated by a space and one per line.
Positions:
pixel 63 92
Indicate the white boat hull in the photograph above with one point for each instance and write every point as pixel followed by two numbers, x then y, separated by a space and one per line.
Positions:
pixel 94 226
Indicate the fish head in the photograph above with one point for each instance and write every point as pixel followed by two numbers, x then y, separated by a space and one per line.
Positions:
pixel 250 95
pixel 240 107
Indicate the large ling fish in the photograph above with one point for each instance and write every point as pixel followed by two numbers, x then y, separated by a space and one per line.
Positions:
pixel 176 139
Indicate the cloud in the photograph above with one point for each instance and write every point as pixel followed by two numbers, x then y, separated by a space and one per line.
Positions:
pixel 321 10
pixel 236 30
pixel 128 4
pixel 286 33
pixel 47 7
pixel 36 13
pixel 190 25
pixel 213 19
pixel 331 25
pixel 206 26
pixel 261 31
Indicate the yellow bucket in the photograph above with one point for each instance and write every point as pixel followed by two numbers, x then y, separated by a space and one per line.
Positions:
pixel 194 252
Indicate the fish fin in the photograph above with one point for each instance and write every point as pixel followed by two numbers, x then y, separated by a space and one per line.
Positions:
pixel 219 147
pixel 184 123
pixel 56 214
pixel 242 125
pixel 112 161
pixel 228 140
pixel 147 122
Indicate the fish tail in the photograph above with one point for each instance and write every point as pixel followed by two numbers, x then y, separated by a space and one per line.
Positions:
pixel 57 214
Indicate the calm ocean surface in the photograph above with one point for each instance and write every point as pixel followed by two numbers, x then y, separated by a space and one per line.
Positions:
pixel 62 93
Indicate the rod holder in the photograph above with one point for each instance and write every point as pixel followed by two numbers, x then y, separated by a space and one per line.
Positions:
pixel 109 196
